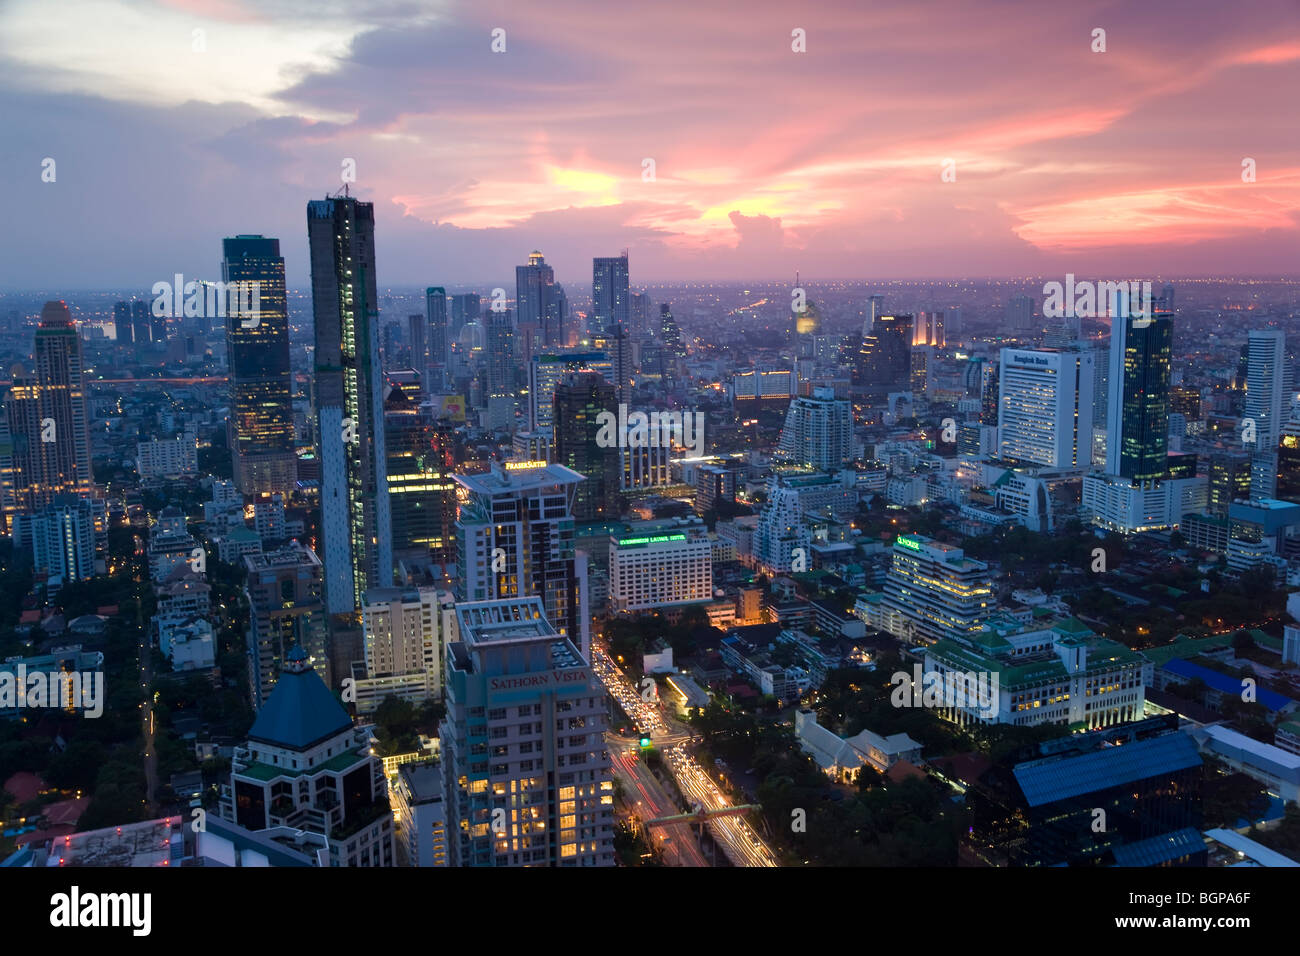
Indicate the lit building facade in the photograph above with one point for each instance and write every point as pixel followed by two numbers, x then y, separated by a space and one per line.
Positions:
pixel 356 529
pixel 936 590
pixel 524 760
pixel 660 564
pixel 261 438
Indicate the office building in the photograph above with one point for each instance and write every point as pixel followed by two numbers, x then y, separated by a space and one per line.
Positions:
pixel 581 399
pixel 47 416
pixel 1045 409
pixel 884 361
pixel 499 361
pixel 306 767
pixel 818 432
pixel 1268 384
pixel 435 339
pixel 524 760
pixel 658 564
pixel 539 302
pixel 286 609
pixel 1019 316
pixel 1137 428
pixel 936 591
pixel 355 521
pixel 515 538
pixel 261 438
pixel 610 296
pixel 421 492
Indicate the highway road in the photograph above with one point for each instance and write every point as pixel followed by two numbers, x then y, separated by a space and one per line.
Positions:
pixel 650 799
pixel 738 840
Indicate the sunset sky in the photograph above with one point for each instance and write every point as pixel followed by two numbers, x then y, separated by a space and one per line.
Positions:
pixel 766 160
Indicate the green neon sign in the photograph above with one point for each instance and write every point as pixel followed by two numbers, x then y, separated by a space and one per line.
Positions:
pixel 909 544
pixel 656 539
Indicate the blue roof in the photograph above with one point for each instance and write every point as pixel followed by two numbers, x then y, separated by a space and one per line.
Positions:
pixel 1160 849
pixel 300 712
pixel 1058 778
pixel 1227 684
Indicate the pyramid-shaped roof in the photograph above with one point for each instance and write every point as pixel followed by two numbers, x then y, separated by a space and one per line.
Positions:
pixel 300 712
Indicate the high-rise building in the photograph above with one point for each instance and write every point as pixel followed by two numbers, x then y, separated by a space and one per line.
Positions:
pixel 1019 315
pixel 499 362
pixel 140 324
pixel 935 591
pixel 1268 381
pixel 515 538
pixel 545 372
pixel 617 344
pixel 671 337
pixel 435 338
pixel 263 454
pixel 285 606
pixel 610 297
pixel 929 330
pixel 883 364
pixel 421 492
pixel 536 300
pixel 640 312
pixel 525 765
pixel 47 416
pixel 122 330
pixel 1045 410
pixel 1137 427
pixel 63 542
pixel 418 345
pixel 818 431
pixel 1228 480
pixel 580 399
pixel 465 308
pixel 355 522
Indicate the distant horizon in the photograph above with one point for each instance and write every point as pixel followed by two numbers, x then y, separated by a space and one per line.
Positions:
pixel 420 287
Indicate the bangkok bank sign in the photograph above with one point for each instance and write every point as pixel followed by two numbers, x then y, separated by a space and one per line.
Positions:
pixel 547 681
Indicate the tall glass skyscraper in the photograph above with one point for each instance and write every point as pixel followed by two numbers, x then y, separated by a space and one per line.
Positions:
pixel 261 392
pixel 1137 426
pixel 611 302
pixel 538 299
pixel 47 416
pixel 435 336
pixel 356 531
pixel 883 364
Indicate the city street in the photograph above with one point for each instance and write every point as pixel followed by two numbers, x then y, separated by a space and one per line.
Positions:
pixel 738 840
